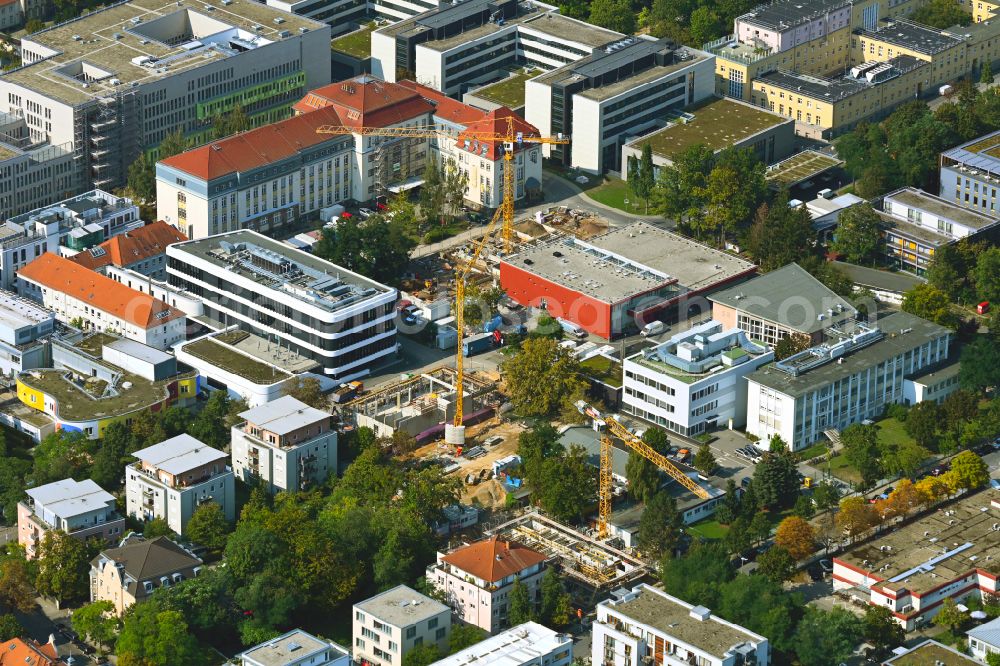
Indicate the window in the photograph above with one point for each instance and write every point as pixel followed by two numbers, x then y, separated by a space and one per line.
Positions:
pixel 411 632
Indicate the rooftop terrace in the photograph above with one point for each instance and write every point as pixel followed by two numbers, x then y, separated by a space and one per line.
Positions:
pixel 717 125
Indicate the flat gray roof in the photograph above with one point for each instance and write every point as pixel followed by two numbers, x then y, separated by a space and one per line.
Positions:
pixel 913 36
pixel 524 644
pixel 68 498
pixel 917 332
pixel 940 371
pixel 402 606
pixel 914 231
pixel 140 351
pixel 291 648
pixel 179 454
pixel 834 90
pixel 876 279
pixel 789 296
pixel 547 23
pixel 284 415
pixel 628 260
pixel 17 312
pixel 786 14
pixel 670 615
pixel 920 200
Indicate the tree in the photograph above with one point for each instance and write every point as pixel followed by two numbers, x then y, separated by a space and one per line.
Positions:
pixel 432 193
pixel 969 470
pixel 657 438
pixel 62 455
pixel 759 528
pixel 463 636
pixel 16 592
pixel 947 271
pixel 928 302
pixel 378 248
pixel 645 175
pixel 921 423
pixel 659 526
pixel 96 621
pixel 63 566
pixel 950 616
pixel 643 477
pixel 10 627
pixel 804 507
pixel 827 637
pixel 521 609
pixel 791 345
pixel 705 25
pixel 567 486
pixel 826 495
pixel 780 235
pixel 857 236
pixel 542 378
pixel 993 659
pixel 762 606
pixel 155 528
pixel 862 451
pixel 980 365
pixel 776 481
pixel 154 637
pixel 905 498
pixel 987 275
pixel 33 26
pixel 555 609
pixel 986 73
pixel 727 511
pixel 696 576
pixel 704 461
pixel 422 655
pixel 732 192
pixel 233 122
pixel 210 424
pixel 535 446
pixel 797 537
pixel 613 14
pixel 680 189
pixel 309 391
pixel 141 178
pixel 941 14
pixel 960 407
pixel 776 564
pixel 208 527
pixel 856 516
pixel 881 628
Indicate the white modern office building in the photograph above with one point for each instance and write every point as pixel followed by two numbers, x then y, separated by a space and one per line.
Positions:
pixel 23 326
pixel 341 320
pixel 853 376
pixel 81 509
pixel 173 478
pixel 528 644
pixel 695 380
pixel 646 625
pixel 114 82
pixel 284 445
pixel 295 648
pixel 621 90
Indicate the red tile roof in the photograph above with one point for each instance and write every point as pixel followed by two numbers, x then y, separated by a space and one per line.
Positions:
pixel 256 148
pixel 16 652
pixel 493 560
pixel 62 275
pixel 131 247
pixel 445 107
pixel 495 122
pixel 367 102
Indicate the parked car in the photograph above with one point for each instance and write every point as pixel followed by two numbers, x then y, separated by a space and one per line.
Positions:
pixel 652 328
pixel 826 565
pixel 365 212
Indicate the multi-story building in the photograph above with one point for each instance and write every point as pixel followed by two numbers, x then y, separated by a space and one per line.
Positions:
pixel 528 644
pixel 142 250
pixel 389 625
pixel 947 52
pixel 853 376
pixel 616 92
pixel 16 652
pixel 295 648
pixel 476 579
pixel 647 625
pixel 380 164
pixel 113 83
pixel 81 296
pixel 482 161
pixel 694 381
pixel 23 329
pixel 99 379
pixel 914 568
pixel 266 179
pixel 81 509
pixel 173 478
pixel 782 303
pixel 133 571
pixel 341 320
pixel 33 173
pixel 917 224
pixel 67 226
pixel 970 175
pixel 284 445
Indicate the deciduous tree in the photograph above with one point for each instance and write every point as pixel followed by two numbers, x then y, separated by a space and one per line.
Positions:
pixel 921 423
pixel 309 391
pixel 10 627
pixel 208 526
pixel 780 234
pixel 796 536
pixel 950 616
pixel 827 637
pixel 987 275
pixel 970 471
pixel 881 628
pixel 154 637
pixel 96 621
pixel 555 607
pixel 857 236
pixel 613 14
pixel 643 477
pixel 980 365
pixel 16 592
pixel 862 451
pixel 776 564
pixel 542 379
pixel 928 302
pixel 63 565
pixel 659 526
pixel 856 516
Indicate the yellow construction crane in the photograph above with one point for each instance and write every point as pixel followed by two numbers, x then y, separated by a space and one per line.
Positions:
pixel 609 427
pixel 505 211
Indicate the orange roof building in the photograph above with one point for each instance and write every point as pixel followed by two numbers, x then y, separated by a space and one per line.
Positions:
pixel 477 579
pixel 143 250
pixel 17 652
pixel 79 295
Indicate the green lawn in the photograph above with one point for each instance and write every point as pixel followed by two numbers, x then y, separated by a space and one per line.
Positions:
pixel 709 529
pixel 811 452
pixel 357 43
pixel 843 470
pixel 892 431
pixel 613 192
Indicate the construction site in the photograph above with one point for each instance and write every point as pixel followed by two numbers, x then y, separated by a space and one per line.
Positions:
pixel 593 567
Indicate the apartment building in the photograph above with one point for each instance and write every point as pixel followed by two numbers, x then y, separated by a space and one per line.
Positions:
pixel 389 625
pixel 914 568
pixel 645 624
pixel 782 303
pixel 173 478
pixel 113 83
pixel 82 296
pixel 33 173
pixel 917 224
pixel 853 376
pixel 528 644
pixel 284 445
pixel 267 179
pixel 23 329
pixel 81 509
pixel 618 91
pixel 341 320
pixel 970 175
pixel 133 571
pixel 142 250
pixel 67 227
pixel 460 46
pixel 476 579
pixel 295 648
pixel 482 161
pixel 694 381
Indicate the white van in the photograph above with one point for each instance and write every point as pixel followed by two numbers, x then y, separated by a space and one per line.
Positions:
pixel 652 328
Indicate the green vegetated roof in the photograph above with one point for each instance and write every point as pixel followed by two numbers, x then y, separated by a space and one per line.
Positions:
pixel 603 369
pixel 509 92
pixel 717 125
pixel 357 43
pixel 235 362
